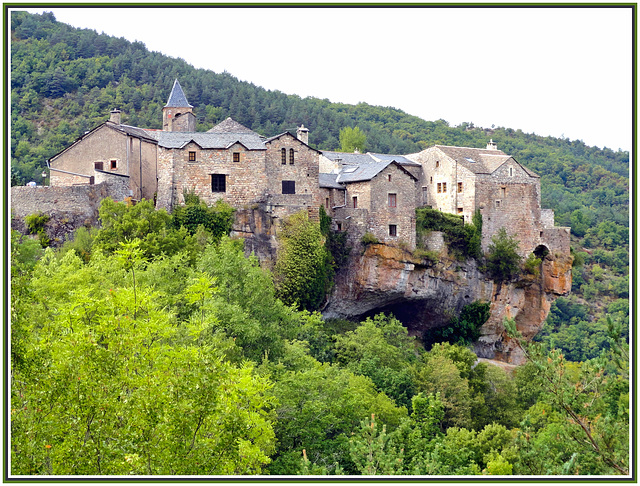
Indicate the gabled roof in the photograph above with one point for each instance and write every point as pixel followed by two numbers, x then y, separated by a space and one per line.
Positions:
pixel 400 159
pixel 329 181
pixel 230 126
pixel 177 98
pixel 361 167
pixel 479 161
pixel 207 140
pixel 348 158
pixel 124 129
pixel 276 137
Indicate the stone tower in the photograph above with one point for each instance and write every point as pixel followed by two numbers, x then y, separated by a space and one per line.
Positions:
pixel 177 114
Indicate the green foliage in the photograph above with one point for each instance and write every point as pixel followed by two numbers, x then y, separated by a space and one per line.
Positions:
pixel 462 239
pixel 463 329
pixel 371 452
pixel 82 242
pixel 369 239
pixel 217 220
pixel 36 225
pixel 503 261
pixel 303 267
pixel 532 265
pixel 352 139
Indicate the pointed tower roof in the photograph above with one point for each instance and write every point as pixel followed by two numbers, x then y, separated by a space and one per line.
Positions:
pixel 177 97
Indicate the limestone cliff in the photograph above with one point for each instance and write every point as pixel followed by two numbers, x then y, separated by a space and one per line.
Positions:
pixel 424 295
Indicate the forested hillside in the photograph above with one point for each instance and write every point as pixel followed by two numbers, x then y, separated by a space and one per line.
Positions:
pixel 129 353
pixel 64 81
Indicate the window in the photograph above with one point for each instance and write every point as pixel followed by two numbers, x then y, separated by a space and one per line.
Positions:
pixel 236 156
pixel 444 187
pixel 339 226
pixel 192 156
pixel 355 202
pixel 288 187
pixel 497 204
pixel 326 203
pixel 392 200
pixel 439 187
pixel 459 186
pixel 218 183
pixel 389 177
pixel 503 192
pixel 459 210
pixel 393 230
pixel 437 164
pixel 98 165
pixel 283 156
pixel 291 156
pixel 430 180
pixel 510 171
pixel 114 164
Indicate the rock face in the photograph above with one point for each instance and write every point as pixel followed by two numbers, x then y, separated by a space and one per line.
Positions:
pixel 424 295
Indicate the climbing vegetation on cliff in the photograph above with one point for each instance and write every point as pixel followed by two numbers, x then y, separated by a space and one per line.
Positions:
pixel 462 239
pixel 503 261
pixel 302 271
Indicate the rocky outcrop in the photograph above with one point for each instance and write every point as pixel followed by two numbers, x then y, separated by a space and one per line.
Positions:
pixel 424 294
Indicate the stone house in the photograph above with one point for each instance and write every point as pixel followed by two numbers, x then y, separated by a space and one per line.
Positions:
pixel 364 194
pixel 461 180
pixel 111 147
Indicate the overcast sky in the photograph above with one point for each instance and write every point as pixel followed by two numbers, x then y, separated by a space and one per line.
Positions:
pixel 550 71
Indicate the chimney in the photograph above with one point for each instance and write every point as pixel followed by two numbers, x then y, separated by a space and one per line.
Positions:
pixel 115 116
pixel 492 145
pixel 303 134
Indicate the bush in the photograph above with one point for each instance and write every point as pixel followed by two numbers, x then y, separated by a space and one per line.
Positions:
pixel 464 240
pixel 369 239
pixel 35 223
pixel 503 261
pixel 426 255
pixel 463 329
pixel 532 265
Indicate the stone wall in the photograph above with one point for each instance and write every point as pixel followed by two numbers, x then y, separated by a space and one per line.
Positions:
pixel 68 206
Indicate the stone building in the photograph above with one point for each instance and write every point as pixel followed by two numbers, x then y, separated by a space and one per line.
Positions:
pixel 461 180
pixel 111 147
pixel 364 194
pixel 375 193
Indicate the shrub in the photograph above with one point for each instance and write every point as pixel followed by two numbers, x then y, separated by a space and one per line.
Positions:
pixel 369 239
pixel 503 261
pixel 35 223
pixel 462 239
pixel 462 329
pixel 532 265
pixel 426 255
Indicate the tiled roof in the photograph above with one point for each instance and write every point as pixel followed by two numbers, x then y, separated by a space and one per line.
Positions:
pixel 329 181
pixel 479 161
pixel 207 140
pixel 177 98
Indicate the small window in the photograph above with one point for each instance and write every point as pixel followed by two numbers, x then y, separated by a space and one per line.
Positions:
pixel 98 165
pixel 218 183
pixel 439 187
pixel 393 230
pixel 503 192
pixel 114 164
pixel 355 202
pixel 392 200
pixel 437 164
pixel 326 203
pixel 459 187
pixel 444 187
pixel 510 171
pixel 192 156
pixel 430 180
pixel 389 177
pixel 283 156
pixel 288 187
pixel 497 203
pixel 236 156
pixel 459 210
pixel 339 225
pixel 291 157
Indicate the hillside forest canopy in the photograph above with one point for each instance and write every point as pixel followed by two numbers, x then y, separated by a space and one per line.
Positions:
pixel 165 350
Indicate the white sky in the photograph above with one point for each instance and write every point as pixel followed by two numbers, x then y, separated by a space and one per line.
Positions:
pixel 550 71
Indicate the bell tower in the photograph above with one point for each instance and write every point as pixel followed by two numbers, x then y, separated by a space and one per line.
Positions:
pixel 177 114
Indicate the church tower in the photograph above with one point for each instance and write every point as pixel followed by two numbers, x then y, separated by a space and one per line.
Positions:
pixel 177 114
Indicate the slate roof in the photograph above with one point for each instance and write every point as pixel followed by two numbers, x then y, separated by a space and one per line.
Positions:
pixel 362 167
pixel 207 140
pixel 230 126
pixel 479 161
pixel 329 181
pixel 348 158
pixel 177 98
pixel 400 159
pixel 135 132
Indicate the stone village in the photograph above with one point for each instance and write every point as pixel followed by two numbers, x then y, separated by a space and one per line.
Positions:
pixel 281 175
